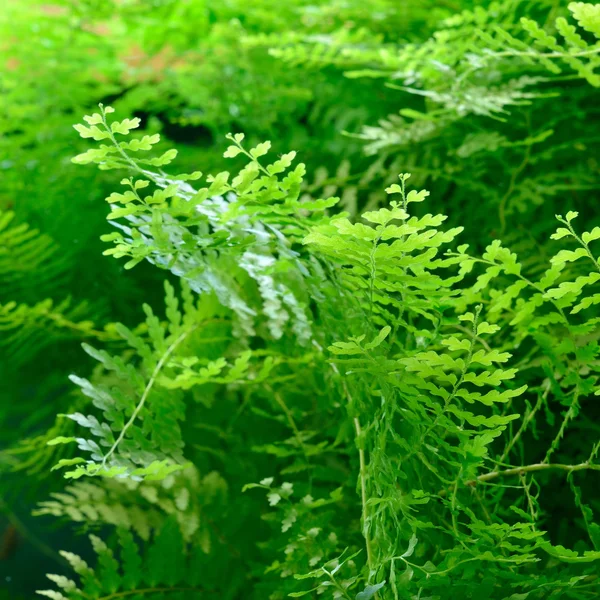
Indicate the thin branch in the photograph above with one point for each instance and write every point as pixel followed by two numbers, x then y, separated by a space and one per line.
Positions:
pixel 363 492
pixel 569 416
pixel 292 423
pixel 524 425
pixel 586 466
pixel 511 187
pixel 363 470
pixel 589 52
pixel 535 467
pixel 147 389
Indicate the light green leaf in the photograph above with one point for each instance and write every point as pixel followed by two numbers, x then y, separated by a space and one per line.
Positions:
pixel 369 591
pixel 381 336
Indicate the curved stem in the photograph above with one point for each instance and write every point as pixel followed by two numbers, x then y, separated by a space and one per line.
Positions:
pixel 511 188
pixel 147 389
pixel 363 493
pixel 292 423
pixel 589 52
pixel 527 469
pixel 569 415
pixel 524 425
pixel 535 467
pixel 363 471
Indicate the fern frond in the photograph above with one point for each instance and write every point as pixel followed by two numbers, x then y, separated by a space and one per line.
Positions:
pixel 143 507
pixel 573 50
pixel 139 432
pixel 232 219
pixel 28 329
pixel 391 266
pixel 433 368
pixel 25 253
pixel 164 570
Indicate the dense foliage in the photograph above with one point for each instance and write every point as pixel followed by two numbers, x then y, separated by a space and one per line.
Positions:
pixel 297 373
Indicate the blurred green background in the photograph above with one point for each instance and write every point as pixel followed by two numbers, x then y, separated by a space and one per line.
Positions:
pixel 363 90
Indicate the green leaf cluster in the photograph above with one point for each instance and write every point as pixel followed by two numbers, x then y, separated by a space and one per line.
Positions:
pixel 301 379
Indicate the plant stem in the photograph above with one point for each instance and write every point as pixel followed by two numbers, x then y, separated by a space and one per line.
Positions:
pixel 363 493
pixel 511 187
pixel 589 52
pixel 528 469
pixel 147 389
pixel 569 415
pixel 526 421
pixel 535 467
pixel 292 423
pixel 362 474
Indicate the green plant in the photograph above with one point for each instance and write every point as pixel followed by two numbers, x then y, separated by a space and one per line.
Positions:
pixel 386 380
pixel 494 105
pixel 300 380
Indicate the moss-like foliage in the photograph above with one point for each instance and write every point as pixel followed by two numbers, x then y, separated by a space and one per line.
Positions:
pixel 304 379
